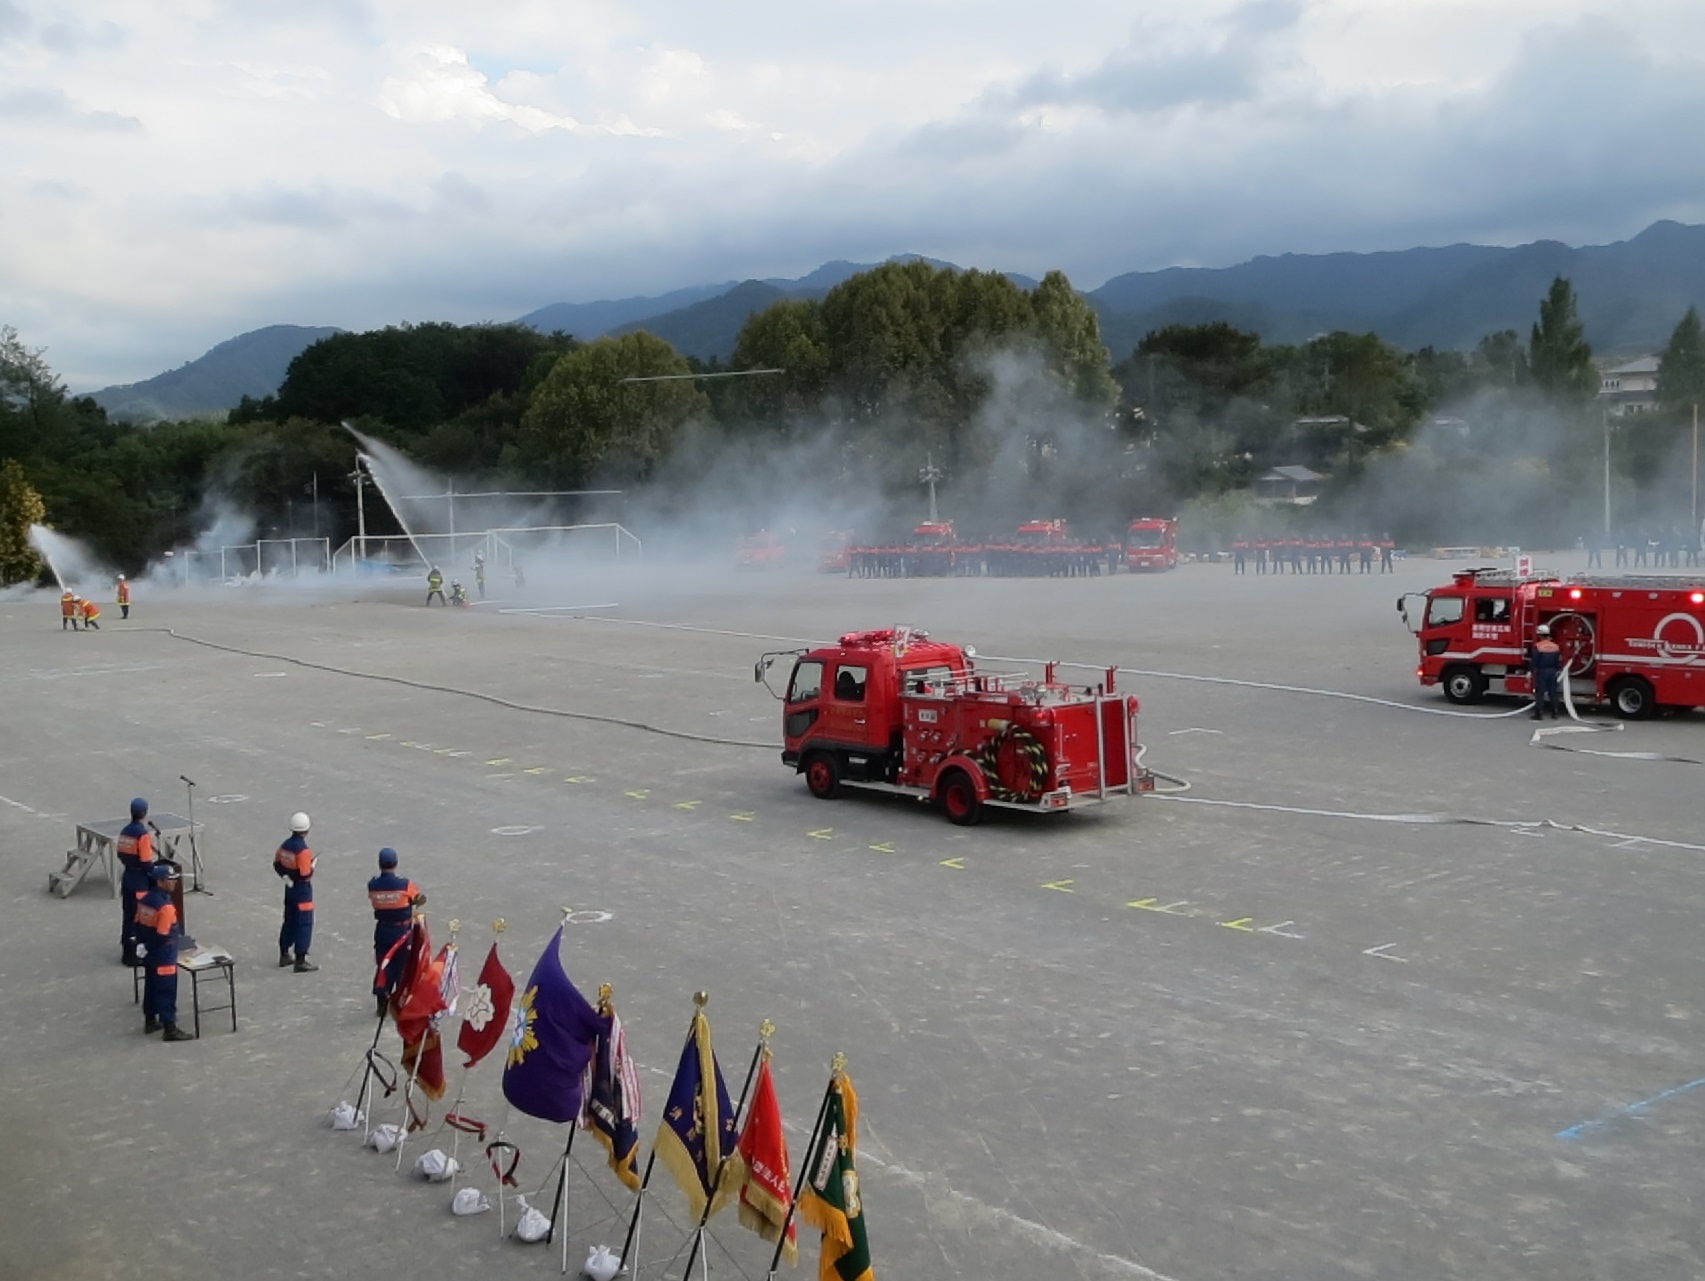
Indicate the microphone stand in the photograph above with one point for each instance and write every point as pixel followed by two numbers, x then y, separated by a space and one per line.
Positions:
pixel 197 870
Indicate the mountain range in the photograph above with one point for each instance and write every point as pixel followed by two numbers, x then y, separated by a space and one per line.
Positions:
pixel 1631 294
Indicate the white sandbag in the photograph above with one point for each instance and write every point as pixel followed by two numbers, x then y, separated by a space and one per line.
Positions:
pixel 345 1116
pixel 386 1138
pixel 602 1263
pixel 469 1201
pixel 436 1166
pixel 532 1225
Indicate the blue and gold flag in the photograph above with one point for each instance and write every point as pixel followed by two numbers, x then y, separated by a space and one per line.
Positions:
pixel 552 1030
pixel 700 1133
pixel 612 1097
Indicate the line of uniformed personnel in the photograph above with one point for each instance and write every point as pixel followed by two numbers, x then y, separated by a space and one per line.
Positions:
pixel 1313 554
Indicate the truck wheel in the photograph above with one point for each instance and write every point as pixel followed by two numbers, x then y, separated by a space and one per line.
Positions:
pixel 959 799
pixel 1464 684
pixel 822 775
pixel 1632 698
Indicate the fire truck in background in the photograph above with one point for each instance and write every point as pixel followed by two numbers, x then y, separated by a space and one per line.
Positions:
pixel 1151 543
pixel 1634 641
pixel 834 553
pixel 762 550
pixel 894 711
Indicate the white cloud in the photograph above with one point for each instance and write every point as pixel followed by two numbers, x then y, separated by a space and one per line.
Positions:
pixel 174 173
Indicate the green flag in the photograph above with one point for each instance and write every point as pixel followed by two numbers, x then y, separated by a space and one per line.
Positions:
pixel 830 1201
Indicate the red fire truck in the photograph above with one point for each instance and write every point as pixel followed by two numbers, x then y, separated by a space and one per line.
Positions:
pixel 762 550
pixel 895 711
pixel 1152 543
pixel 1635 641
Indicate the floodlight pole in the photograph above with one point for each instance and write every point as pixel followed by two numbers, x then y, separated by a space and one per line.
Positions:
pixel 1605 414
pixel 360 508
pixel 929 475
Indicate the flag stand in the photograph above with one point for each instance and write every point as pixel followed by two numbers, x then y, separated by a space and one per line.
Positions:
pixel 366 1080
pixel 765 1030
pixel 447 1005
pixel 836 1068
pixel 559 1202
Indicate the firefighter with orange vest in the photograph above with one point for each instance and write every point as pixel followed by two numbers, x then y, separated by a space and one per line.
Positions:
pixel 135 849
pixel 123 597
pixel 293 861
pixel 393 899
pixel 91 614
pixel 69 613
pixel 157 931
pixel 1545 661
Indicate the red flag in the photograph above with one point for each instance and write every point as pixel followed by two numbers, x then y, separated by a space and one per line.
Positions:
pixel 417 956
pixel 422 1057
pixel 767 1191
pixel 485 1010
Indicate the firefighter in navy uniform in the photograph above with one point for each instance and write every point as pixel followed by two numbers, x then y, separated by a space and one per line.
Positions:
pixel 157 931
pixel 294 862
pixel 1545 661
pixel 394 899
pixel 135 849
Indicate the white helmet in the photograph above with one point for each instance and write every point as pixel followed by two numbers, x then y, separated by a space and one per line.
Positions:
pixel 1544 629
pixel 298 822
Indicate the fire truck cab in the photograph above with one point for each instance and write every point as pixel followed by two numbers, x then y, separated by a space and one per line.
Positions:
pixel 1151 543
pixel 894 711
pixel 1634 641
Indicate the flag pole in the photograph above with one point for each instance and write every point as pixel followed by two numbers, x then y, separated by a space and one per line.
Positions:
pixel 699 999
pixel 559 1202
pixel 390 991
pixel 836 1067
pixel 766 1029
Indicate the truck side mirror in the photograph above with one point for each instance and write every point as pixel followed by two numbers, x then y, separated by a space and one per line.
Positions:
pixel 758 672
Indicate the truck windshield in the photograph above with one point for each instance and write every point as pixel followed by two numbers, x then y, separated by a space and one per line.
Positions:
pixel 1144 538
pixel 1444 610
pixel 807 681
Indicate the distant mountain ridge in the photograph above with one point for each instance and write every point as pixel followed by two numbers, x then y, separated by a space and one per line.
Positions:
pixel 1631 294
pixel 251 364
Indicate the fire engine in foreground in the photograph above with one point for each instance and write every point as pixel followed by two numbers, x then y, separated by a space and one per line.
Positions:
pixel 1634 641
pixel 895 711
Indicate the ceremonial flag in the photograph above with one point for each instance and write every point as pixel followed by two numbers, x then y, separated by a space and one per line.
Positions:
pixel 552 1029
pixel 612 1098
pixel 431 995
pixel 416 948
pixel 485 1016
pixel 767 1190
pixel 698 1132
pixel 830 1200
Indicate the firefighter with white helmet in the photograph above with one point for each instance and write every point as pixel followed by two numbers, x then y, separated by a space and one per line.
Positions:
pixel 293 861
pixel 1545 662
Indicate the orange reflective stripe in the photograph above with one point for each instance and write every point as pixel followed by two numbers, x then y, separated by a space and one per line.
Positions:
pixel 165 970
pixel 305 907
pixel 168 917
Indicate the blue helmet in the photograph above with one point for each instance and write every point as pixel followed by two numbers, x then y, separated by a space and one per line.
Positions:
pixel 387 858
pixel 139 809
pixel 163 872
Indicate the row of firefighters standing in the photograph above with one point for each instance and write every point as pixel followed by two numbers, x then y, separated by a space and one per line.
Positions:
pixel 75 611
pixel 152 926
pixel 1312 555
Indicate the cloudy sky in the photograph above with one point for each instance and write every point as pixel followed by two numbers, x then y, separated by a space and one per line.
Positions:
pixel 176 172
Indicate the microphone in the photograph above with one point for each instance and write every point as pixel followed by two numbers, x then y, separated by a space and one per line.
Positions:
pixel 184 778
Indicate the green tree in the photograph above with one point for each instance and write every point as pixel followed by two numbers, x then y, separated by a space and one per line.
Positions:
pixel 788 335
pixel 1071 334
pixel 586 422
pixel 20 507
pixel 1681 378
pixel 1557 349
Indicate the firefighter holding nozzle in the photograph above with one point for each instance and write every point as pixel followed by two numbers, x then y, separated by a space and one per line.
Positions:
pixel 1545 662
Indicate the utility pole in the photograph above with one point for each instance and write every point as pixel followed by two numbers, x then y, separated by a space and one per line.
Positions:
pixel 929 475
pixel 360 480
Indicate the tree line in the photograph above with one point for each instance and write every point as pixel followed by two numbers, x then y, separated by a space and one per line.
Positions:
pixel 1007 390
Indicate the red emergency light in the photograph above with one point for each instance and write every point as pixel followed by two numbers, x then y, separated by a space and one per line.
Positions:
pixel 1574 593
pixel 1698 598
